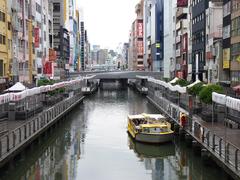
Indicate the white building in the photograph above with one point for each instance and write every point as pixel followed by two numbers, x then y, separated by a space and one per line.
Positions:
pixel 214 24
pixel 169 37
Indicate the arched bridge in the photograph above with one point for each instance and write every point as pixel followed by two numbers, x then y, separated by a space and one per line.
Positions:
pixel 117 74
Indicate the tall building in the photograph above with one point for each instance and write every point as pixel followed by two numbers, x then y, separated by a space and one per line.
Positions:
pixel 5 43
pixel 214 24
pixel 42 13
pixel 235 41
pixel 61 36
pixel 125 50
pixel 136 40
pixel 154 35
pixel 73 29
pixel 169 38
pixel 181 41
pixel 226 41
pixel 95 49
pixel 199 39
pixel 147 34
pixel 157 39
pixel 102 56
pixel 82 45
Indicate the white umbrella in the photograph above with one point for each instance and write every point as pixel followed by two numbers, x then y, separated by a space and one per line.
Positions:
pixel 18 87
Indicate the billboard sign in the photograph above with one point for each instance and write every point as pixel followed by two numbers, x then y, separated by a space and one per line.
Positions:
pixel 182 3
pixel 48 68
pixel 36 35
pixel 226 58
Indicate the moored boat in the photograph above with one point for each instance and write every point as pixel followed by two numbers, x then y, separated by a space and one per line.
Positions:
pixel 150 128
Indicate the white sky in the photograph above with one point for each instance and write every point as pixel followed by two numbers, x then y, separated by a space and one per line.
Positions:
pixel 108 22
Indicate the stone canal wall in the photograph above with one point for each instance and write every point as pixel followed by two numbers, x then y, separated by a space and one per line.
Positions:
pixel 14 141
pixel 221 150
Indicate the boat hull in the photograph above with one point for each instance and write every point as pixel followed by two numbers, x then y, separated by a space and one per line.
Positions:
pixel 154 138
pixel 149 138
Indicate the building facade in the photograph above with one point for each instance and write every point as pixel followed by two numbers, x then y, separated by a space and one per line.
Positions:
pixel 235 42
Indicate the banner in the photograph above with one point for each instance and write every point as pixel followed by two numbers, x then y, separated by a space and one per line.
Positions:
pixel 182 3
pixel 37 39
pixel 48 68
pixel 226 58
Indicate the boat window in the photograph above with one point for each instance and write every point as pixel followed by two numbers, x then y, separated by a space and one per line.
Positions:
pixel 158 130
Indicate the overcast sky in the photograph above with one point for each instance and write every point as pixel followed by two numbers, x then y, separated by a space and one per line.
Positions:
pixel 108 21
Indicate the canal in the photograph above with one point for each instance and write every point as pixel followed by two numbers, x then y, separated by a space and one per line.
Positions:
pixel 92 144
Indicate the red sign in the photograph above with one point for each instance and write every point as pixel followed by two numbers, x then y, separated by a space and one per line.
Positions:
pixel 182 3
pixel 36 35
pixel 140 29
pixel 48 68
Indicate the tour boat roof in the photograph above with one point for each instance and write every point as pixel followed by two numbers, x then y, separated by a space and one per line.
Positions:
pixel 138 116
pixel 144 115
pixel 154 116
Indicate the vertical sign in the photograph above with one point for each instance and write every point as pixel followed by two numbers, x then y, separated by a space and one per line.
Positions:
pixel 140 29
pixel 37 39
pixel 48 68
pixel 226 58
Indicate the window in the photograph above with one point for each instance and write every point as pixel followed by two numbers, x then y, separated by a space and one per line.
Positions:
pixel 1 67
pixel 56 7
pixel 9 26
pixel 226 9
pixel 2 16
pixel 2 39
pixel 38 8
pixel 235 5
pixel 235 27
pixel 226 32
pixel 235 53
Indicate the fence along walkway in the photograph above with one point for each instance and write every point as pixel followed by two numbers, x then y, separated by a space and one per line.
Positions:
pixel 222 149
pixel 21 136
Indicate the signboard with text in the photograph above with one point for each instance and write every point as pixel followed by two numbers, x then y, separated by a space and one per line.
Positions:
pixel 37 39
pixel 182 3
pixel 48 68
pixel 226 58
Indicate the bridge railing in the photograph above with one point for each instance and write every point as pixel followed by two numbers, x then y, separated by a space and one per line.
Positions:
pixel 19 136
pixel 225 151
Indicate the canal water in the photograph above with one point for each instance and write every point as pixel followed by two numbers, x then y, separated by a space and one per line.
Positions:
pixel 92 144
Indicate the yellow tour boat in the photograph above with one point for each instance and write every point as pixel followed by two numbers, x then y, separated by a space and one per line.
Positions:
pixel 150 128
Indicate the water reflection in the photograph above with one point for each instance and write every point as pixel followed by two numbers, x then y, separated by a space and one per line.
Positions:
pixel 174 161
pixel 92 143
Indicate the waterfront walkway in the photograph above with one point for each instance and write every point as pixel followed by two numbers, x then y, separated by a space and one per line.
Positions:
pixel 222 142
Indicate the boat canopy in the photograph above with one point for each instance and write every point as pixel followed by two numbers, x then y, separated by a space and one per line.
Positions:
pixel 154 116
pixel 147 116
pixel 138 116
